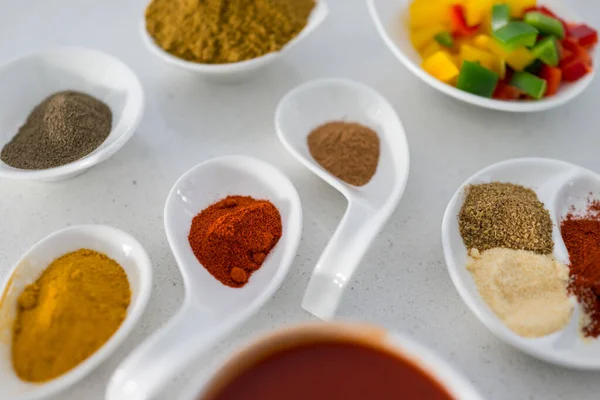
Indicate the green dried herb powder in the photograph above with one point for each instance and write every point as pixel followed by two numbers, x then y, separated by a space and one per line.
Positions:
pixel 505 215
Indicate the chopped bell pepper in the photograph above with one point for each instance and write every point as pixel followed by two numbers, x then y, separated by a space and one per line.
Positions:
pixel 545 24
pixel 441 66
pixel 516 34
pixel 427 12
pixel 574 51
pixel 421 37
pixel 584 35
pixel 506 92
pixel 445 39
pixel 575 70
pixel 547 51
pixel 500 16
pixel 459 23
pixel 476 11
pixel 430 49
pixel 518 7
pixel 553 77
pixel 530 84
pixel 546 11
pixel 486 59
pixel 517 59
pixel 478 80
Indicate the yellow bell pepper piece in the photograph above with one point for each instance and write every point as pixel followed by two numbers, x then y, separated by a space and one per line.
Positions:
pixel 441 66
pixel 421 37
pixel 486 59
pixel 427 12
pixel 518 59
pixel 475 10
pixel 518 7
pixel 431 48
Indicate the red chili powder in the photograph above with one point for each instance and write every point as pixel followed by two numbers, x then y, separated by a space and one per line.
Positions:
pixel 581 234
pixel 232 237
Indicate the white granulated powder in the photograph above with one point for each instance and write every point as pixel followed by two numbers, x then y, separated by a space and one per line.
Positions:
pixel 528 291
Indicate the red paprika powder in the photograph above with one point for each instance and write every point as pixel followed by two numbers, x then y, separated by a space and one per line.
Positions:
pixel 232 237
pixel 581 234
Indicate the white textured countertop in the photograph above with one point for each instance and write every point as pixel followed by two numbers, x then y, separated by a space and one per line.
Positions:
pixel 402 283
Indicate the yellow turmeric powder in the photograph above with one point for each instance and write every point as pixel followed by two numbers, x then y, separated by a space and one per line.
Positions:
pixel 72 309
pixel 225 31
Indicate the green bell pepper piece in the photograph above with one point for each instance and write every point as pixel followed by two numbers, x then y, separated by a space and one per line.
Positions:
pixel 545 24
pixel 500 16
pixel 445 39
pixel 475 79
pixel 535 67
pixel 547 51
pixel 530 84
pixel 516 34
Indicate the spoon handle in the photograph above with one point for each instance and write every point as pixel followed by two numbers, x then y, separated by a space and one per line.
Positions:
pixel 341 257
pixel 164 354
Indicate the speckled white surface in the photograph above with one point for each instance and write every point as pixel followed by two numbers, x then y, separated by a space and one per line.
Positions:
pixel 402 283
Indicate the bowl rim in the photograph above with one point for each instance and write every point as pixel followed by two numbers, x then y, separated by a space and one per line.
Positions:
pixel 97 155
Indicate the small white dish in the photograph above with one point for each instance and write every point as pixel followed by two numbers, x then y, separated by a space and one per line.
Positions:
pixel 235 71
pixel 210 309
pixel 369 206
pixel 559 185
pixel 391 19
pixel 27 81
pixel 403 346
pixel 116 244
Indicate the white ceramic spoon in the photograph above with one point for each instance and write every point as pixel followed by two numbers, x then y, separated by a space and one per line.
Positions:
pixel 113 242
pixel 559 185
pixel 369 206
pixel 210 309
pixel 235 71
pixel 391 19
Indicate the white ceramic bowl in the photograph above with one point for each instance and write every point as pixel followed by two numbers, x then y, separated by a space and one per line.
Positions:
pixel 27 81
pixel 240 70
pixel 451 380
pixel 116 244
pixel 559 185
pixel 391 19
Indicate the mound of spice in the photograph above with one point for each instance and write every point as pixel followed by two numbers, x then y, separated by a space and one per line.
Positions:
pixel 581 234
pixel 233 237
pixel 528 291
pixel 349 151
pixel 64 128
pixel 505 215
pixel 70 311
pixel 225 31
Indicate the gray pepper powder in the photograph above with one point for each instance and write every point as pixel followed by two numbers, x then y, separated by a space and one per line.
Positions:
pixel 64 128
pixel 505 215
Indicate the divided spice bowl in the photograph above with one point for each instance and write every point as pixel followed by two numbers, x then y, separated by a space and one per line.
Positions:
pixel 210 310
pixel 116 244
pixel 238 71
pixel 391 19
pixel 85 70
pixel 560 186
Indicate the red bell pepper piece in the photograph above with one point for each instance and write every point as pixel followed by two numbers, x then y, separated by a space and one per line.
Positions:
pixel 584 35
pixel 575 70
pixel 506 92
pixel 553 77
pixel 459 22
pixel 577 52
